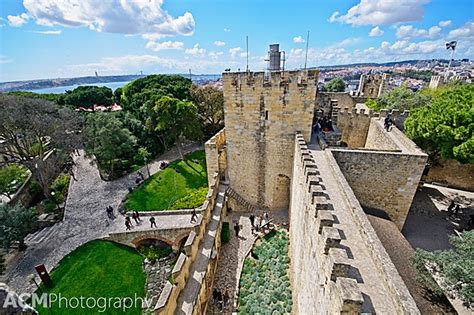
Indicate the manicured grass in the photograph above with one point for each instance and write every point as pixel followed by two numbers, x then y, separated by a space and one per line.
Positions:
pixel 99 269
pixel 182 185
pixel 264 282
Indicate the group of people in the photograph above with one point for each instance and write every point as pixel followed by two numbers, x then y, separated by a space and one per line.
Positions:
pixel 258 222
pixel 135 217
pixel 324 124
pixel 220 298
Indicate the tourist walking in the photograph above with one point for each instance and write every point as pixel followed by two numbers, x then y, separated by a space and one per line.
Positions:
pixel 219 300
pixel 128 225
pixel 110 212
pixel 266 217
pixel 387 123
pixel 135 218
pixel 225 297
pixel 138 216
pixel 252 220
pixel 194 215
pixel 127 219
pixel 451 206
pixel 215 293
pixel 237 229
pixel 152 222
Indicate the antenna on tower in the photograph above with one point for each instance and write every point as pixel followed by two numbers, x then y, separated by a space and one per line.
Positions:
pixel 247 41
pixel 306 56
pixel 190 75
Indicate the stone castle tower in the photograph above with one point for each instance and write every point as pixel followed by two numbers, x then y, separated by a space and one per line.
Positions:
pixel 373 85
pixel 262 115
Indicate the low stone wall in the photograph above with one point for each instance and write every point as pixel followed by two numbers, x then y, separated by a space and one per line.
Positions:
pixel 378 138
pixel 385 181
pixel 167 302
pixel 453 174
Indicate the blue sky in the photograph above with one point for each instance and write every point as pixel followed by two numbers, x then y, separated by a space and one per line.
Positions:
pixel 66 38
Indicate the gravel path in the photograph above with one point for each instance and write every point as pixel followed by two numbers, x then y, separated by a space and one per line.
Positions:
pixel 232 256
pixel 84 218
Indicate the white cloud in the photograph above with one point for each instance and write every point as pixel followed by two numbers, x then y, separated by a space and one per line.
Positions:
pixel 376 31
pixel 298 40
pixel 58 32
pixel 145 17
pixel 195 51
pixel 408 31
pixel 17 20
pixel 168 45
pixel 219 43
pixel 215 54
pixel 4 59
pixel 377 12
pixel 444 23
pixel 464 32
pixel 235 51
pixel 350 41
pixel 226 29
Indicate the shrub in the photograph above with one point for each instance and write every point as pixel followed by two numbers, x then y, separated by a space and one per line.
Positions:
pixel 225 233
pixel 152 252
pixel 59 188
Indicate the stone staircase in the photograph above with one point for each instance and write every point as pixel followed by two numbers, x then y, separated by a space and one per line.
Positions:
pixel 40 235
pixel 232 193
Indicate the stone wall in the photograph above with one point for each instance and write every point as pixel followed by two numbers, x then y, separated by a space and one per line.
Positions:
pixel 354 126
pixel 261 117
pixel 385 181
pixel 373 85
pixel 216 155
pixel 327 243
pixel 453 174
pixel 378 138
pixel 327 100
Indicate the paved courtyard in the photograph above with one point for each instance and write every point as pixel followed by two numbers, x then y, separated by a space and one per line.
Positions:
pixel 85 218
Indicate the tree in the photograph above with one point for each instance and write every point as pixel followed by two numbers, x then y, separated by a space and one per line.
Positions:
pixel 403 98
pixel 10 174
pixel 109 141
pixel 38 135
pixel 176 119
pixel 210 105
pixel 456 267
pixel 88 96
pixel 117 95
pixel 336 85
pixel 145 156
pixel 445 127
pixel 15 224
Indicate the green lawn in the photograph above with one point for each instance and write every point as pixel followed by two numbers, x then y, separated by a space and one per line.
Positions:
pixel 179 186
pixel 99 269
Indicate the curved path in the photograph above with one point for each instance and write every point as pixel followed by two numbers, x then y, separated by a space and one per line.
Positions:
pixel 85 218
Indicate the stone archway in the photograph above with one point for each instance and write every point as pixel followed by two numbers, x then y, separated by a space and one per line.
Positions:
pixel 281 192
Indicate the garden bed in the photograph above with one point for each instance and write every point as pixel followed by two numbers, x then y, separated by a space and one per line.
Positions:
pixel 264 282
pixel 182 185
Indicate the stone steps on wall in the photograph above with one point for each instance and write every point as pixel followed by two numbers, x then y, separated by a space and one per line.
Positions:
pixel 232 193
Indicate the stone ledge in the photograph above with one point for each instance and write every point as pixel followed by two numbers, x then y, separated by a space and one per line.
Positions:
pixel 189 242
pixel 339 262
pixel 324 218
pixel 179 265
pixel 350 296
pixel 331 238
pixel 164 297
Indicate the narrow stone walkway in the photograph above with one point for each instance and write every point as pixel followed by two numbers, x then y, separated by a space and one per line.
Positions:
pixel 189 294
pixel 232 256
pixel 84 220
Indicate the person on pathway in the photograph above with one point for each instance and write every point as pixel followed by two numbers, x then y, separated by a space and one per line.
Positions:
pixel 451 206
pixel 194 215
pixel 215 293
pixel 135 218
pixel 237 229
pixel 219 300
pixel 128 225
pixel 127 219
pixel 252 220
pixel 153 222
pixel 138 216
pixel 141 175
pixel 265 216
pixel 225 296
pixel 387 123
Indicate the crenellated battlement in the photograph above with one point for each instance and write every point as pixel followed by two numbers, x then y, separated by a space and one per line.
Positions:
pixel 322 219
pixel 274 79
pixel 354 112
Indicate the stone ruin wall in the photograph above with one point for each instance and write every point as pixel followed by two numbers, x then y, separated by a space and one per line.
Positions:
pixel 261 118
pixel 216 159
pixel 319 269
pixel 354 126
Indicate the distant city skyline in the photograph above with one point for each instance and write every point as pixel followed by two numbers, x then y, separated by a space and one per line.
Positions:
pixel 57 38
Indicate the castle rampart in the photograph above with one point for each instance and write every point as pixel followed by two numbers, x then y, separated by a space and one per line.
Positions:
pixel 338 263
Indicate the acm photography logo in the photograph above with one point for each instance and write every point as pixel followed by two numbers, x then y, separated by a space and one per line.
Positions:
pixel 58 301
